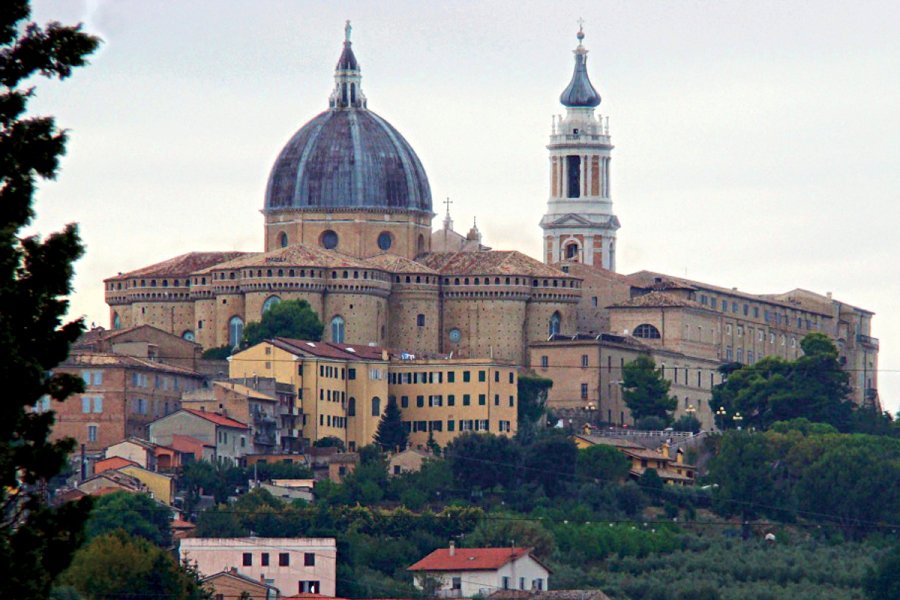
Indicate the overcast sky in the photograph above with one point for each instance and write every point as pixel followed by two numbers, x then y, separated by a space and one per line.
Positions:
pixel 756 142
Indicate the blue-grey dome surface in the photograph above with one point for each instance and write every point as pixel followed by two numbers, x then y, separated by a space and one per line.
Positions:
pixel 348 158
pixel 580 93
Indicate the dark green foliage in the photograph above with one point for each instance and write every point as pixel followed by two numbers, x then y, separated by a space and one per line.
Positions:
pixel 218 353
pixel 278 470
pixel 744 473
pixel 646 390
pixel 651 423
pixel 687 423
pixel 532 398
pixel 211 479
pixel 291 319
pixel 482 461
pixel 883 580
pixel 602 463
pixel 136 514
pixel 36 542
pixel 115 566
pixel 330 442
pixel 391 434
pixel 773 389
pixel 509 529
pixel 550 462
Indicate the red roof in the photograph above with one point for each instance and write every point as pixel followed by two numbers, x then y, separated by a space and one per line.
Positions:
pixel 112 463
pixel 468 559
pixel 216 418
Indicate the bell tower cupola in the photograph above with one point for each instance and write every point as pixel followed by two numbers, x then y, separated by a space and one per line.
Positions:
pixel 579 224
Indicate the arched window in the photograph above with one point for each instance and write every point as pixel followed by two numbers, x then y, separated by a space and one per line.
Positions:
pixel 117 321
pixel 351 407
pixel 235 331
pixel 554 323
pixel 646 331
pixel 337 330
pixel 421 244
pixel 572 251
pixel 269 303
pixel 188 335
pixel 376 406
pixel 282 240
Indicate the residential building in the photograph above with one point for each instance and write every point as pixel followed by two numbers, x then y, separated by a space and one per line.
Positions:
pixel 160 485
pixel 143 341
pixel 407 461
pixel 231 585
pixel 122 395
pixel 671 469
pixel 291 565
pixel 141 452
pixel 469 572
pixel 587 374
pixel 113 463
pixel 230 437
pixel 244 404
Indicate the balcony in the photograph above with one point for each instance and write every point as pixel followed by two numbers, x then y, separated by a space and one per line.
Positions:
pixel 867 340
pixel 264 439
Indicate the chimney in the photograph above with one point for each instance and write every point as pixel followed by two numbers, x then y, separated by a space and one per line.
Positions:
pixel 262 578
pixel 233 570
pixel 452 548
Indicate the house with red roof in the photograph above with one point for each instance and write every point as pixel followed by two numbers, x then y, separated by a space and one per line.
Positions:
pixel 466 572
pixel 231 438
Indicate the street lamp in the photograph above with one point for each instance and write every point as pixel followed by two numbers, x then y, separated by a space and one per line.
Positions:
pixel 691 411
pixel 590 408
pixel 721 417
pixel 737 419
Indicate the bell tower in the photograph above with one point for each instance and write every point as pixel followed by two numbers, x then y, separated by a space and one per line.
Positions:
pixel 579 224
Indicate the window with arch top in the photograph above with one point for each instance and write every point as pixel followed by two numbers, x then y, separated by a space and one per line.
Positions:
pixel 337 330
pixel 647 332
pixel 572 251
pixel 376 406
pixel 269 303
pixel 555 321
pixel 282 240
pixel 235 331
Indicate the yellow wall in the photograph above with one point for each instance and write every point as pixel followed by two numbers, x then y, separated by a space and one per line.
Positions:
pixel 162 486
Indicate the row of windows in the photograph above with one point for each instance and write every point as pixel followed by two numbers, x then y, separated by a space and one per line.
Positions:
pixel 438 400
pixel 284 559
pixel 92 377
pixel 431 377
pixel 333 421
pixel 570 283
pixel 142 380
pixel 769 316
pixel 91 404
pixel 453 426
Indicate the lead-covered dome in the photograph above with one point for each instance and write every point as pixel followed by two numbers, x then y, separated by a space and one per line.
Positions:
pixel 348 157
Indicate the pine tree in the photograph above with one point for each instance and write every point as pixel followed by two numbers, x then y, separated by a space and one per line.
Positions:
pixel 646 390
pixel 36 542
pixel 391 434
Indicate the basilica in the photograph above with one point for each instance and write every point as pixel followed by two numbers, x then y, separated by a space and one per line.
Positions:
pixel 348 227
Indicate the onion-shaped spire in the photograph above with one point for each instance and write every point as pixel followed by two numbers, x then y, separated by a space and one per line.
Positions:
pixel 580 93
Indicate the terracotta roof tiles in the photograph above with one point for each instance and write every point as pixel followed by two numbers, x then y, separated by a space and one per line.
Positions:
pixel 658 299
pixel 220 420
pixel 468 559
pixel 493 262
pixel 185 264
pixel 297 255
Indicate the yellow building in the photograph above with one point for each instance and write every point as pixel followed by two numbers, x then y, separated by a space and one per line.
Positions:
pixel 343 390
pixel 673 471
pixel 446 397
pixel 162 486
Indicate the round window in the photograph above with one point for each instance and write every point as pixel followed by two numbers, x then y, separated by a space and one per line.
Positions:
pixel 384 240
pixel 329 240
pixel 188 335
pixel 455 335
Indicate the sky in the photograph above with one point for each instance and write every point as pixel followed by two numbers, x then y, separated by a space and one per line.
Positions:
pixel 756 144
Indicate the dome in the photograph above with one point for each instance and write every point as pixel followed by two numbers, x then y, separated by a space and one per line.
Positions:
pixel 348 157
pixel 580 93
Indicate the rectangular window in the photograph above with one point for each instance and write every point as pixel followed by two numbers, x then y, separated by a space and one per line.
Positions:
pixel 404 401
pixel 496 376
pixel 85 404
pixel 451 400
pixel 351 373
pixel 584 361
pixel 98 404
pixel 86 377
pixel 264 559
pixel 456 583
pixel 420 401
pixel 482 399
pixel 92 433
pixel 309 559
pixel 248 559
pixel 512 400
pixel 308 587
pixel 521 583
pixel 451 425
pixel 451 376
pixel 482 376
pixel 545 362
pixel 512 377
pixel 467 376
pixel 284 559
pixel 496 399
pixel 584 391
pixel 467 400
pixel 505 583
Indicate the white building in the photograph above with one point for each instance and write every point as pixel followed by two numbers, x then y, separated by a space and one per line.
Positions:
pixel 293 565
pixel 465 572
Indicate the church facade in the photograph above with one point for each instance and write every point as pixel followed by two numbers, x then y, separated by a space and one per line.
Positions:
pixel 348 213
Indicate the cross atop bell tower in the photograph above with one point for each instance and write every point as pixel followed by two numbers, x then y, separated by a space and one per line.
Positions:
pixel 579 224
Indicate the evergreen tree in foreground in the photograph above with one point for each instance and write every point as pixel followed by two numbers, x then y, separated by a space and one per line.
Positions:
pixel 391 434
pixel 36 542
pixel 646 390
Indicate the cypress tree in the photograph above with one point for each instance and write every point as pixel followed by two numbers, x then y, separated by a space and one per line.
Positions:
pixel 391 433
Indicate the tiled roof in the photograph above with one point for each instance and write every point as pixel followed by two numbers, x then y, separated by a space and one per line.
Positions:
pixel 658 299
pixel 296 255
pixel 329 349
pixel 609 441
pixel 493 262
pixel 184 264
pixel 583 270
pixel 220 420
pixel 398 264
pixel 186 443
pixel 112 463
pixel 468 559
pixel 83 358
